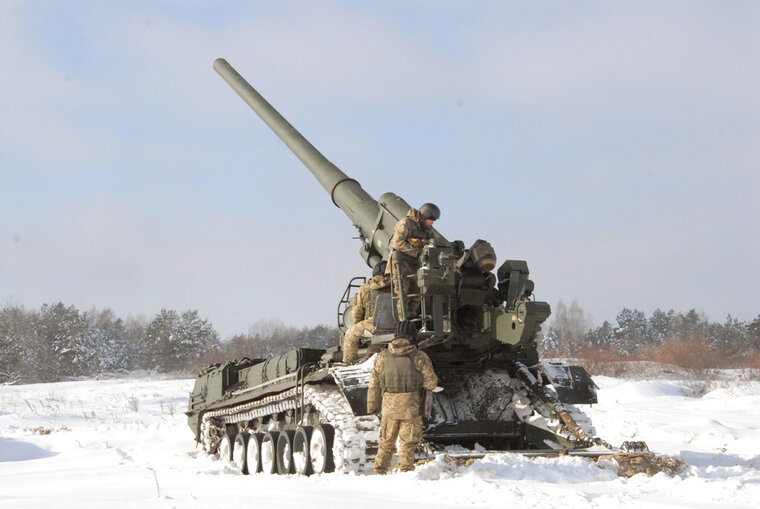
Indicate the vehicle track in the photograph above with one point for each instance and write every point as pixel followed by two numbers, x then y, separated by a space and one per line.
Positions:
pixel 356 437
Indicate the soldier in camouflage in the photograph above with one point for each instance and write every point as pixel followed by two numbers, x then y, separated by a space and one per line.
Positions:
pixel 363 312
pixel 400 376
pixel 410 235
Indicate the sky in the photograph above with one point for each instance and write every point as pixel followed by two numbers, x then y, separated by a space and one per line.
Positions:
pixel 615 146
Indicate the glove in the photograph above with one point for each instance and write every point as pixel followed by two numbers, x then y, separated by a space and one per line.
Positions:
pixel 416 243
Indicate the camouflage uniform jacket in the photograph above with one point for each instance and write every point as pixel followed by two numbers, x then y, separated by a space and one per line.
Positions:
pixel 411 226
pixel 363 308
pixel 400 405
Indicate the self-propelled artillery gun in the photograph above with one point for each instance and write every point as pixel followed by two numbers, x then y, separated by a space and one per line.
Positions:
pixel 305 411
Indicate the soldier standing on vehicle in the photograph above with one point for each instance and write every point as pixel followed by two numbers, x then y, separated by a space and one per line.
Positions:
pixel 400 376
pixel 410 235
pixel 363 312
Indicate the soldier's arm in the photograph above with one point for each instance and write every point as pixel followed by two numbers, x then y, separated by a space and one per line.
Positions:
pixel 360 303
pixel 424 366
pixel 374 392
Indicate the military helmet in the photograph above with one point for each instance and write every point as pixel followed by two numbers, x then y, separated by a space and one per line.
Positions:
pixel 405 329
pixel 430 211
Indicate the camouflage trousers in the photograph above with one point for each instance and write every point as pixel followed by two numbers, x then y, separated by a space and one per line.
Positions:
pixel 409 434
pixel 353 337
pixel 408 286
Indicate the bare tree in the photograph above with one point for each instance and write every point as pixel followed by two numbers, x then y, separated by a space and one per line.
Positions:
pixel 567 333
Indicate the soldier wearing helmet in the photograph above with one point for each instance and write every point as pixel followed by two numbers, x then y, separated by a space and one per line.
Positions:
pixel 362 312
pixel 400 376
pixel 410 235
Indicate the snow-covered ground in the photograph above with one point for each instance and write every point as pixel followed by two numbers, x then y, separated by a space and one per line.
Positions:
pixel 125 443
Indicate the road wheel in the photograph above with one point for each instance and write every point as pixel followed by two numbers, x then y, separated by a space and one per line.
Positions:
pixel 269 452
pixel 225 448
pixel 301 460
pixel 285 452
pixel 240 451
pixel 253 453
pixel 321 449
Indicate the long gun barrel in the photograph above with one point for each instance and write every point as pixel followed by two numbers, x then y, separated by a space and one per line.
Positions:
pixel 374 220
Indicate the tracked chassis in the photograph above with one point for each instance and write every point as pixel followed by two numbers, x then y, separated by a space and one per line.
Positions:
pixel 309 414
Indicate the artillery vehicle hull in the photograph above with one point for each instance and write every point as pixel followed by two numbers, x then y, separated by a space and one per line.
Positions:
pixel 305 411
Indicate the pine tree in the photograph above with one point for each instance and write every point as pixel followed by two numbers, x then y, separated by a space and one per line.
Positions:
pixel 633 332
pixel 157 345
pixel 196 340
pixel 16 329
pixel 753 335
pixel 65 342
pixel 660 325
pixel 173 341
pixel 602 337
pixel 114 350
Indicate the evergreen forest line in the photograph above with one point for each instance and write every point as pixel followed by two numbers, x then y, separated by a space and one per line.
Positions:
pixel 688 340
pixel 58 342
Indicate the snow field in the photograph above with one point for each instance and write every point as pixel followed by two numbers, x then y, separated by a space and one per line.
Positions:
pixel 125 443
